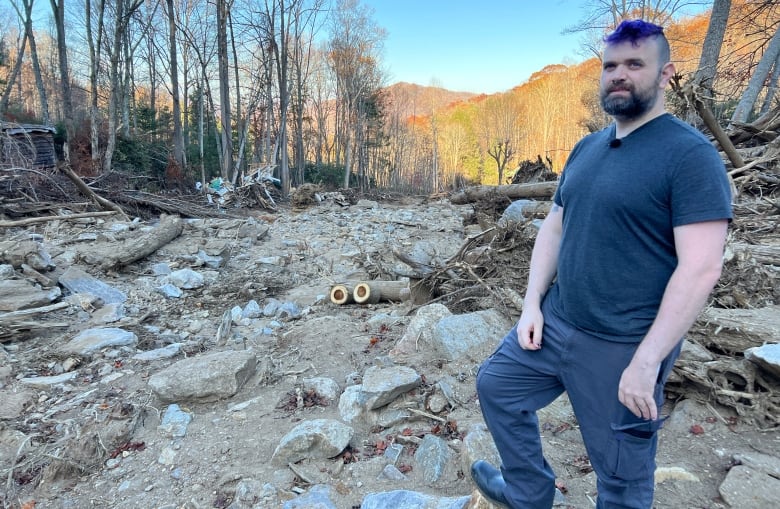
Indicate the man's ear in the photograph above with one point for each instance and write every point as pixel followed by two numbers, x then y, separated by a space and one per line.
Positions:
pixel 667 71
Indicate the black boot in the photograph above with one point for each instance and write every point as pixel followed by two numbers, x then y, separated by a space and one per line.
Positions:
pixel 490 483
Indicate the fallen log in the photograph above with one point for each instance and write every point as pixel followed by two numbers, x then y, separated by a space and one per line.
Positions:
pixel 375 291
pixel 115 256
pixel 543 190
pixel 766 254
pixel 45 219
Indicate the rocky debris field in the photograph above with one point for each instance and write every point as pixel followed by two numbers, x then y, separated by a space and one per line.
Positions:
pixel 216 372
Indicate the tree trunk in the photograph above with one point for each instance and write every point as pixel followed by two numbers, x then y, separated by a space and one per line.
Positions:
pixel 58 9
pixel 178 136
pixel 12 76
pixel 224 90
pixel 28 5
pixel 756 84
pixel 771 88
pixel 94 65
pixel 710 52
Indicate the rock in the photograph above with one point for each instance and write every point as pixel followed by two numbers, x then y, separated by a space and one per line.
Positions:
pixel 16 294
pixel 433 455
pixel 747 488
pixel 165 352
pixel 186 279
pixel 454 335
pixel 478 445
pixel 78 281
pixel 174 422
pixel 208 377
pixel 92 340
pixel 45 382
pixel 14 403
pixel 315 439
pixel 767 357
pixel 418 332
pixel 383 385
pixel 403 499
pixel 325 387
pixel 761 462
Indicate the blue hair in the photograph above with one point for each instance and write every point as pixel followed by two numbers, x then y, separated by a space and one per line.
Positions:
pixel 636 30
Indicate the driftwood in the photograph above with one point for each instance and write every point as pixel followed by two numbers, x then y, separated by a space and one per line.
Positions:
pixel 84 188
pixel 114 256
pixel 540 190
pixel 46 219
pixel 11 324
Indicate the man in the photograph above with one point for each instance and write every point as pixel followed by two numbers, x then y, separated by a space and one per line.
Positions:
pixel 632 248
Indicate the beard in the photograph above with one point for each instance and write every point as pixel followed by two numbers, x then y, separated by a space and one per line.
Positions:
pixel 638 102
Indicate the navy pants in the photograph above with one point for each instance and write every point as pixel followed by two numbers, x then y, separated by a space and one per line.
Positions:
pixel 513 384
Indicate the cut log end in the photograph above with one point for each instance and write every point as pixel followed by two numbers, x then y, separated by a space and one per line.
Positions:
pixel 365 294
pixel 341 294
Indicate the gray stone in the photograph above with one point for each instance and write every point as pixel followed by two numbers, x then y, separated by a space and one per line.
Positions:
pixel 208 377
pixel 761 462
pixel 159 353
pixel 44 382
pixel 404 499
pixel 325 387
pixel 318 497
pixel 766 356
pixel 251 310
pixel 170 291
pixel 186 279
pixel 455 335
pixel 14 403
pixel 747 488
pixel 478 445
pixel 78 281
pixel 433 455
pixel 92 340
pixel 383 385
pixel 418 332
pixel 314 439
pixel 16 294
pixel 392 473
pixel 174 422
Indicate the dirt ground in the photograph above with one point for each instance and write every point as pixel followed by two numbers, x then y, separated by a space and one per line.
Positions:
pixel 128 463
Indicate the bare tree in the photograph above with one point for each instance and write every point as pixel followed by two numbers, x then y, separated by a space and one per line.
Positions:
pixel 95 42
pixel 178 137
pixel 123 11
pixel 757 80
pixel 354 45
pixel 58 8
pixel 224 89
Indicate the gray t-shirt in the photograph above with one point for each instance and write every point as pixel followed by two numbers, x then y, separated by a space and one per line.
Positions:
pixel 620 206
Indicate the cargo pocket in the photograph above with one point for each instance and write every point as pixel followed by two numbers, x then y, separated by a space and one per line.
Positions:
pixel 631 452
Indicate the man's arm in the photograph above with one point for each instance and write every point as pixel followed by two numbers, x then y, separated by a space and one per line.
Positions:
pixel 544 266
pixel 700 259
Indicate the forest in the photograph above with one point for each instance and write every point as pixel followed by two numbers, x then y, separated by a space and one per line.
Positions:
pixel 176 92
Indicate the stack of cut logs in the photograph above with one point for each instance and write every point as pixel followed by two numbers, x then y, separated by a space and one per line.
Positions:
pixel 369 292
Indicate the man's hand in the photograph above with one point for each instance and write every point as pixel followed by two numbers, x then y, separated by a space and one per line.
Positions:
pixel 529 328
pixel 637 385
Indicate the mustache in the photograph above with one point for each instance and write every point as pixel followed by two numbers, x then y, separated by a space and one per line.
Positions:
pixel 619 87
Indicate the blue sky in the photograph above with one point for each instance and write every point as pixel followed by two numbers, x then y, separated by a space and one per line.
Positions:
pixel 482 46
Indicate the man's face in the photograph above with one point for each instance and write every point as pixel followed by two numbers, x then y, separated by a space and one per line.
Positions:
pixel 632 79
